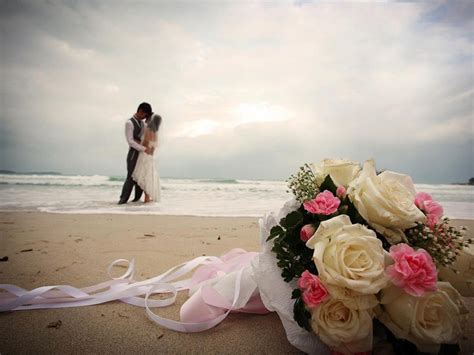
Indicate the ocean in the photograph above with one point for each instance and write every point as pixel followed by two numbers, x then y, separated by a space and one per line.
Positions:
pixel 56 193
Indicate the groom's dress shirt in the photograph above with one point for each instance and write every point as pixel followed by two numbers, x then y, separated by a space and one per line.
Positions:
pixel 129 134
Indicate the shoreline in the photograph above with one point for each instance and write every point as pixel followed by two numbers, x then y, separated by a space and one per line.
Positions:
pixel 138 213
pixel 76 249
pixel 458 221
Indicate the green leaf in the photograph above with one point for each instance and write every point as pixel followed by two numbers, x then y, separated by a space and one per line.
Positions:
pixel 291 220
pixel 293 257
pixel 276 249
pixel 296 293
pixel 298 270
pixel 449 349
pixel 292 237
pixel 275 232
pixel 323 218
pixel 301 315
pixel 354 215
pixel 385 244
pixel 286 275
pixel 328 184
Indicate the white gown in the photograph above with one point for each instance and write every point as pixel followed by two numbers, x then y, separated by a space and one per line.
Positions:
pixel 146 175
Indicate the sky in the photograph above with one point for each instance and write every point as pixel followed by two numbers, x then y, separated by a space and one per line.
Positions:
pixel 246 89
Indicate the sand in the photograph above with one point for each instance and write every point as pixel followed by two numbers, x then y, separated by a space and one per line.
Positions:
pixel 76 250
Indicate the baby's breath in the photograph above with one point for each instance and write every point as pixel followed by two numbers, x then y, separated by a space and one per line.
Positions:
pixel 444 242
pixel 303 184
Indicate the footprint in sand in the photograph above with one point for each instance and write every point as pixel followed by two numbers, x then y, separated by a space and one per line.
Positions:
pixel 146 236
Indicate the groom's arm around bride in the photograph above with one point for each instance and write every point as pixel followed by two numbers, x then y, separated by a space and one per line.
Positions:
pixel 134 130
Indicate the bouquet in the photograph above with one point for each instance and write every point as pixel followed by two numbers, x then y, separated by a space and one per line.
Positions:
pixel 351 262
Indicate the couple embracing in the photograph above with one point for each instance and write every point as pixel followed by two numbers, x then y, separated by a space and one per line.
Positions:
pixel 141 133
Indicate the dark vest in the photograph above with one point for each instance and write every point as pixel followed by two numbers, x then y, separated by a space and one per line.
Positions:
pixel 137 128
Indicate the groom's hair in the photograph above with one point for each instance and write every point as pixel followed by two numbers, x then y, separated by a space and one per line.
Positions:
pixel 145 107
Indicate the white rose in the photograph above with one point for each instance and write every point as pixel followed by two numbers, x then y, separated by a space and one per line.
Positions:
pixel 427 321
pixel 353 300
pixel 348 255
pixel 342 171
pixel 385 201
pixel 341 328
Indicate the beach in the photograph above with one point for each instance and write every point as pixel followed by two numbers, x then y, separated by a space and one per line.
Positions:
pixel 76 249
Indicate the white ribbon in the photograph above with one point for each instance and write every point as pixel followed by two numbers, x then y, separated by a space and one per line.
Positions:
pixel 122 288
pixel 189 327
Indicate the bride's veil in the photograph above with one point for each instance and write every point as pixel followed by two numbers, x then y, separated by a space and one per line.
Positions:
pixel 154 123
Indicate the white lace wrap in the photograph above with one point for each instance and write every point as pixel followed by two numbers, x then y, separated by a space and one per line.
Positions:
pixel 275 292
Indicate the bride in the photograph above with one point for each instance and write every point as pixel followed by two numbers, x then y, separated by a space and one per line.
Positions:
pixel 145 173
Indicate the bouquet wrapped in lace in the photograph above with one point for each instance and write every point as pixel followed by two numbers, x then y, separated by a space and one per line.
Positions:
pixel 350 264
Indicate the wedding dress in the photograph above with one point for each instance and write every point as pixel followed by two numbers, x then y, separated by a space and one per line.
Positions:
pixel 146 175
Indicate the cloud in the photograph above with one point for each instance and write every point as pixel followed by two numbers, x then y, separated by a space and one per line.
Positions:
pixel 247 89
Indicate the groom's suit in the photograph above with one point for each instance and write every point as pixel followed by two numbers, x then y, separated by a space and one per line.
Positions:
pixel 134 129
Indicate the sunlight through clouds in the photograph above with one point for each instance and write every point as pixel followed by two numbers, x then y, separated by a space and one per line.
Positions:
pixel 258 113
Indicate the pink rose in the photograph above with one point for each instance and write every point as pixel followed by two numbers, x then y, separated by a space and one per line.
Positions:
pixel 307 232
pixel 420 199
pixel 341 192
pixel 313 291
pixel 414 271
pixel 325 203
pixel 433 210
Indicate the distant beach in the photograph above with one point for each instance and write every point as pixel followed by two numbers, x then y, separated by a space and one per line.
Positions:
pixel 79 194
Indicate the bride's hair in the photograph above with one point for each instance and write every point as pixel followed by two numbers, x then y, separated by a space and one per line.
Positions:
pixel 154 123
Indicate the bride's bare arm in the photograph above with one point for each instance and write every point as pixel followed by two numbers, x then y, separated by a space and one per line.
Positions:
pixel 146 141
pixel 152 138
pixel 146 138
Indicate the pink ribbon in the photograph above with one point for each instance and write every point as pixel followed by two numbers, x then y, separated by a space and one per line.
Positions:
pixel 203 310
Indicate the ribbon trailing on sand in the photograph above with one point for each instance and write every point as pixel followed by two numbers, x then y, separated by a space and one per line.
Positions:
pixel 219 286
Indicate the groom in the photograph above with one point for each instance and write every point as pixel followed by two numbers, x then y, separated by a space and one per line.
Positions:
pixel 134 130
